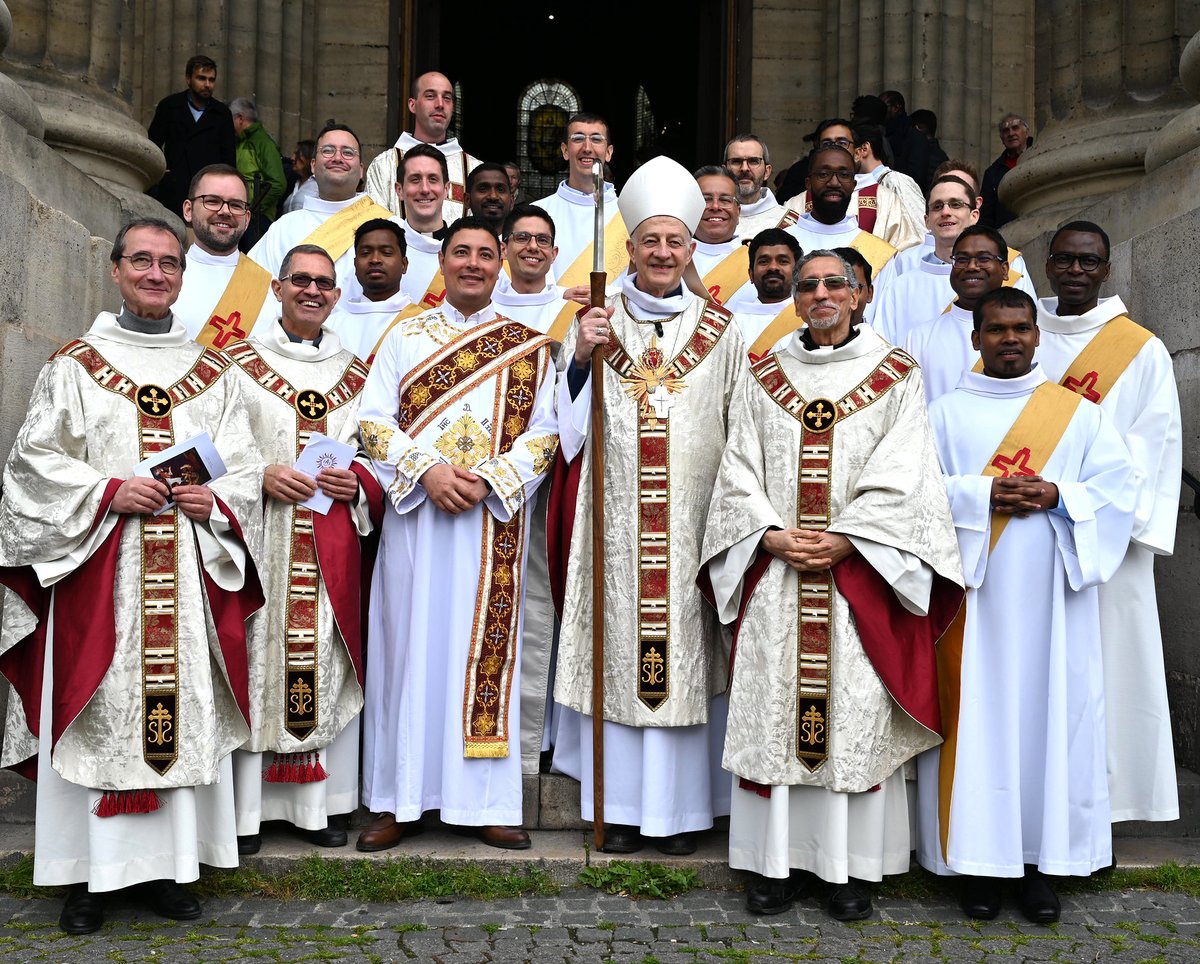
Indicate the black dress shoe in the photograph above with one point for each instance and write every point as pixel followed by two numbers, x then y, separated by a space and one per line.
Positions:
pixel 330 836
pixel 677 845
pixel 83 912
pixel 620 838
pixel 850 901
pixel 1039 903
pixel 772 896
pixel 980 897
pixel 249 844
pixel 167 899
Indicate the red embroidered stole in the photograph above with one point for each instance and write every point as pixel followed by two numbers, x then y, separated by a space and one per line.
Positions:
pixel 654 498
pixel 814 644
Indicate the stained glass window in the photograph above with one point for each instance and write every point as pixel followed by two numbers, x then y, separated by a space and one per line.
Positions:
pixel 542 113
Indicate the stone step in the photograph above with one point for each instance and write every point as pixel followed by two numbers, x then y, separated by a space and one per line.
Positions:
pixel 1188 824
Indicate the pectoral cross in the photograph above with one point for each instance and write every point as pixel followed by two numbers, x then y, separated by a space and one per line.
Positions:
pixel 661 401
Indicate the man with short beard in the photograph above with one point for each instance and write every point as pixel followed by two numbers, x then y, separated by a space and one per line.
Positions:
pixel 764 308
pixel 225 294
pixel 749 161
pixel 432 109
pixel 489 195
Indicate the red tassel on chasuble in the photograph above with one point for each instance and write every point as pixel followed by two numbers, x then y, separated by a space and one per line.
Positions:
pixel 295 768
pixel 114 802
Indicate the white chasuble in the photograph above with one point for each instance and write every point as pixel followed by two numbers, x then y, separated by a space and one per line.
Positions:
pixel 361 324
pixel 1021 777
pixel 443 693
pixel 1128 372
pixel 165 706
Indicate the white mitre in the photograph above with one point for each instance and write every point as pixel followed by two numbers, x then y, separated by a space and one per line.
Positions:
pixel 661 186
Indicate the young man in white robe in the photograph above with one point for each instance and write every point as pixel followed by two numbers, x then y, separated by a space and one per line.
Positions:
pixel 764 309
pixel 747 158
pixel 573 204
pixel 1040 485
pixel 432 107
pixel 124 634
pixel 300 764
pixel 422 183
pixel 720 258
pixel 1090 346
pixel 458 417
pixel 674 361
pixel 944 345
pixel 330 219
pixel 380 262
pixel 830 549
pixel 531 297
pixel 225 294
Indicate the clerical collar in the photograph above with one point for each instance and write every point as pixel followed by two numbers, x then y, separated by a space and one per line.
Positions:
pixel 806 339
pixel 144 326
pixel 1105 311
pixel 646 307
pixel 297 340
pixel 766 201
pixel 364 306
pixel 584 198
pixel 197 255
pixel 980 383
pixel 809 223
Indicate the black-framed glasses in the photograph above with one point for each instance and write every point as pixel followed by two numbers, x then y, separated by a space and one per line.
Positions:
pixel 983 259
pixel 144 262
pixel 833 282
pixel 214 203
pixel 524 237
pixel 302 281
pixel 824 175
pixel 836 142
pixel 744 161
pixel 1088 262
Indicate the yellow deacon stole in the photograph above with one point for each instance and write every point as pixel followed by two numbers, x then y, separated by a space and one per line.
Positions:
pixel 335 234
pixel 235 314
pixel 782 324
pixel 615 255
pixel 1025 450
pixel 434 295
pixel 729 274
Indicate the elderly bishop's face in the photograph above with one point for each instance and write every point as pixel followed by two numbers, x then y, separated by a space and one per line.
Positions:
pixel 659 250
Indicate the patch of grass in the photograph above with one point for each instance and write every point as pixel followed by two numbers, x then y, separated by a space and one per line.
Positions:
pixel 410 928
pixel 640 880
pixel 1170 878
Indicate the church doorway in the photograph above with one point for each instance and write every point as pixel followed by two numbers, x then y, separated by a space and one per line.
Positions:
pixel 668 87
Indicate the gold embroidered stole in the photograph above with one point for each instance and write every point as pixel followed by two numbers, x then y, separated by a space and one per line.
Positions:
pixel 515 356
pixel 728 275
pixel 235 314
pixel 1025 450
pixel 302 705
pixel 782 324
pixel 615 255
pixel 159 601
pixel 336 233
pixel 654 483
pixel 814 590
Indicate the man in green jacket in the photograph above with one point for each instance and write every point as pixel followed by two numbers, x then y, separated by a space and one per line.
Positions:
pixel 261 166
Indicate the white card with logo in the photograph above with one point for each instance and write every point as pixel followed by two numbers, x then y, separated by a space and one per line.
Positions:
pixel 323 452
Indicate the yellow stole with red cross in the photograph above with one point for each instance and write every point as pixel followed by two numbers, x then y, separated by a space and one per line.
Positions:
pixel 336 233
pixel 515 356
pixel 159 540
pixel 728 275
pixel 652 382
pixel 302 701
pixel 234 316
pixel 819 418
pixel 1025 450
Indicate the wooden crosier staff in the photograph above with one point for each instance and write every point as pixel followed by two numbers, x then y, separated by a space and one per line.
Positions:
pixel 598 280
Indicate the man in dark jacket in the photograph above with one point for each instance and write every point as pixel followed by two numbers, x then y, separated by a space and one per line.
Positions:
pixel 1014 135
pixel 194 129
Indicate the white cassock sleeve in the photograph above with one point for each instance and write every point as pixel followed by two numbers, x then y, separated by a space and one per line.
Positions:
pixel 1155 442
pixel 574 414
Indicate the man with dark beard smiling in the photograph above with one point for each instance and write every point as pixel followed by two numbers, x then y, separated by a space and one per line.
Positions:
pixel 764 307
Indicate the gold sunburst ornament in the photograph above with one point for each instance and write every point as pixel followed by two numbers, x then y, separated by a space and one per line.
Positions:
pixel 650 386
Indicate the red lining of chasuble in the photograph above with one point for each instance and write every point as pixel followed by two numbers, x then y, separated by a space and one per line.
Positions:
pixel 23 664
pixel 900 644
pixel 867 214
pixel 230 610
pixel 560 523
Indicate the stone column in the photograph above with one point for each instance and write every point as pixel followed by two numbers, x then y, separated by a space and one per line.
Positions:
pixel 14 101
pixel 1106 82
pixel 74 58
pixel 1182 133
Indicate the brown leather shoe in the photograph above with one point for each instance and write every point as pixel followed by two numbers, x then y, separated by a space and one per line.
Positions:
pixel 506 838
pixel 384 832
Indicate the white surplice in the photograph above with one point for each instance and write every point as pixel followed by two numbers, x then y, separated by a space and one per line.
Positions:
pixel 537 309
pixel 76 438
pixel 426 582
pixel 422 252
pixel 204 282
pixel 293 229
pixel 708 256
pixel 829 821
pixel 759 215
pixel 1029 784
pixel 942 347
pixel 1144 406
pixel 910 299
pixel 360 323
pixel 753 315
pixel 574 216
pixel 380 181
pixel 339 697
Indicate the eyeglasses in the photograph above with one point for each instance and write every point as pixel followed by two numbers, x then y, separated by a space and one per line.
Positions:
pixel 954 204
pixel 836 142
pixel 983 259
pixel 524 237
pixel 824 175
pixel 744 161
pixel 720 199
pixel 577 139
pixel 833 282
pixel 302 281
pixel 144 262
pixel 214 203
pixel 332 150
pixel 1087 262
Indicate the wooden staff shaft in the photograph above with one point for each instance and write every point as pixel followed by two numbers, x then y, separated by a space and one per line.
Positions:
pixel 598 281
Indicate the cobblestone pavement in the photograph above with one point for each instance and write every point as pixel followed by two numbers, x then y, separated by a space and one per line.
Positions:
pixel 582 925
